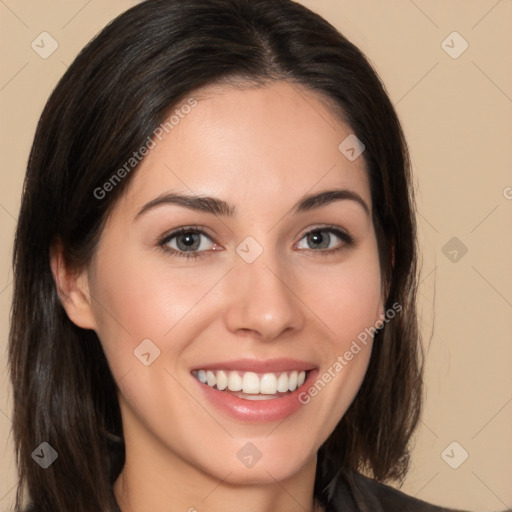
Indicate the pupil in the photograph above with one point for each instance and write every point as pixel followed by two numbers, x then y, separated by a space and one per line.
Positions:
pixel 317 238
pixel 188 240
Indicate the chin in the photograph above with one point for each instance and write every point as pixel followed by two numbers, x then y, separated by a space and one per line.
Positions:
pixel 261 462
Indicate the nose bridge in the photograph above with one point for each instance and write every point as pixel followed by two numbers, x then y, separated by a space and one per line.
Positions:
pixel 261 298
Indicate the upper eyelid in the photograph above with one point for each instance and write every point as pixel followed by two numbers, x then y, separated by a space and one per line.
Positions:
pixel 185 229
pixel 327 227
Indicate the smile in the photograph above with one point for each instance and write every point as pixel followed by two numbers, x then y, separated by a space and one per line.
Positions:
pixel 251 385
pixel 252 390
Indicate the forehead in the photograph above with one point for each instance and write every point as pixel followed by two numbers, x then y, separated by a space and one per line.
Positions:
pixel 251 146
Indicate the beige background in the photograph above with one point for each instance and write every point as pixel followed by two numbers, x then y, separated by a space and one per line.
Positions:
pixel 457 115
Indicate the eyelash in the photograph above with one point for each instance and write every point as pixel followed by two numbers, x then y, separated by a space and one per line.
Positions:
pixel 162 243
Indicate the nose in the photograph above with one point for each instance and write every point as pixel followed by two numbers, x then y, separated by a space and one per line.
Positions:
pixel 262 300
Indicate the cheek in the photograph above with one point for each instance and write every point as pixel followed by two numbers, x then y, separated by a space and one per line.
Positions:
pixel 349 304
pixel 348 299
pixel 139 298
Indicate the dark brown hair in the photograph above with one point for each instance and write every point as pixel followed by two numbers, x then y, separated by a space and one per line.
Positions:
pixel 118 90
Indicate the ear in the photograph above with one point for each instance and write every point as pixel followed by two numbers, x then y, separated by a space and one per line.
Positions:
pixel 73 289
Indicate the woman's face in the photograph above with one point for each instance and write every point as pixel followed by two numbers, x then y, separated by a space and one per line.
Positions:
pixel 274 284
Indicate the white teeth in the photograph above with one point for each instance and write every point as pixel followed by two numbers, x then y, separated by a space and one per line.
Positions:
pixel 268 384
pixel 251 383
pixel 282 383
pixel 222 380
pixel 292 382
pixel 210 379
pixel 234 382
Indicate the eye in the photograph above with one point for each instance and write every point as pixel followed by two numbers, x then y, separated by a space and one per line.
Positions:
pixel 323 240
pixel 186 242
pixel 192 242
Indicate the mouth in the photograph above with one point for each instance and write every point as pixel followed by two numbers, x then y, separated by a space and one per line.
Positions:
pixel 250 385
pixel 255 391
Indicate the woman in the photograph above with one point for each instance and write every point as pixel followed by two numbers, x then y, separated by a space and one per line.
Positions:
pixel 215 272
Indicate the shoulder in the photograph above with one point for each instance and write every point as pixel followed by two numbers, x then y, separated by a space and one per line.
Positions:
pixel 368 495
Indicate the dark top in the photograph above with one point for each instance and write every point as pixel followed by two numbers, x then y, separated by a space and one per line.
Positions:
pixel 353 492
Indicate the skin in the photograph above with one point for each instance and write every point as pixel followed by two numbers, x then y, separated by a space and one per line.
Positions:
pixel 260 149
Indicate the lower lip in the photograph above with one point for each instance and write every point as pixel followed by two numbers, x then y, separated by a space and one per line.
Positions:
pixel 254 411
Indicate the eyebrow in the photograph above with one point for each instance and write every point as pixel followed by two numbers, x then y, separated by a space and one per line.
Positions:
pixel 217 206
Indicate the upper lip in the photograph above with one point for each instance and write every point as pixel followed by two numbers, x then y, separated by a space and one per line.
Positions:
pixel 258 366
